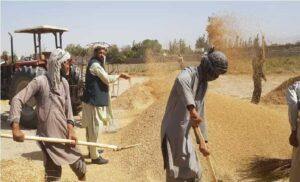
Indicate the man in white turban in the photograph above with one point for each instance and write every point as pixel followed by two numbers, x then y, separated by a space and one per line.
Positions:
pixel 55 117
pixel 96 110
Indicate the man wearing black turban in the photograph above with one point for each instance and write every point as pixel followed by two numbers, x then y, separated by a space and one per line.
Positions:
pixel 185 108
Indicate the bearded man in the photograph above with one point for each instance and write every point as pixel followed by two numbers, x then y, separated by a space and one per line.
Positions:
pixel 55 117
pixel 185 108
pixel 96 109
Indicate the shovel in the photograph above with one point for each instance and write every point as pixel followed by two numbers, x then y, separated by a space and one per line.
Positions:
pixel 68 141
pixel 200 140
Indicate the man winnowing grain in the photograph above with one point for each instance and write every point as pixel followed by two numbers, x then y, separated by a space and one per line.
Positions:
pixel 185 108
pixel 55 117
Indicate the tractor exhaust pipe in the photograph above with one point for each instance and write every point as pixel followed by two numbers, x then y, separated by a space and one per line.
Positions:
pixel 11 48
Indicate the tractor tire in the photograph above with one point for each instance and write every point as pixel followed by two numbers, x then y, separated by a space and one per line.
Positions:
pixel 20 80
pixel 76 89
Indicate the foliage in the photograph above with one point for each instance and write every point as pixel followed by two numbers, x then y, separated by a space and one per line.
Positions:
pixel 140 48
pixel 76 50
pixel 179 47
pixel 114 55
pixel 202 43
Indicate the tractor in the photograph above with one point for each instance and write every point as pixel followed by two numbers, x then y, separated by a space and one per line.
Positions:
pixel 15 75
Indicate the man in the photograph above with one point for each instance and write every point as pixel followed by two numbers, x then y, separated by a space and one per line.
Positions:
pixel 258 73
pixel 293 100
pixel 181 64
pixel 55 117
pixel 96 100
pixel 185 108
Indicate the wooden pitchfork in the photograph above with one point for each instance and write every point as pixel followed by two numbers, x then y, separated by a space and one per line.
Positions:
pixel 68 141
pixel 200 140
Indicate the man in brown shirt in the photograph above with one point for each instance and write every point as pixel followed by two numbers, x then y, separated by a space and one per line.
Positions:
pixel 258 72
pixel 55 117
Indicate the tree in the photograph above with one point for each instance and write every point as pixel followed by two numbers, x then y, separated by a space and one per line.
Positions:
pixel 202 43
pixel 173 47
pixel 76 50
pixel 127 52
pixel 153 45
pixel 140 48
pixel 179 47
pixel 137 49
pixel 114 55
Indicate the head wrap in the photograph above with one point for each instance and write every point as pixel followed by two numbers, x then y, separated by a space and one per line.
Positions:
pixel 213 65
pixel 57 57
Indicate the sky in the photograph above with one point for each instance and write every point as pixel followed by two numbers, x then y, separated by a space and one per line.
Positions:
pixel 122 23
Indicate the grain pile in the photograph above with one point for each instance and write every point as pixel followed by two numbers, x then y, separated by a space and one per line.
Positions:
pixel 238 131
pixel 277 96
pixel 128 101
pixel 21 170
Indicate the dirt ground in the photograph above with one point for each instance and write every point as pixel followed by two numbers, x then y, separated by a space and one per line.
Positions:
pixel 240 133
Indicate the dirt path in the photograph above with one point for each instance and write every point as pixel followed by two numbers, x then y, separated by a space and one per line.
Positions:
pixel 241 86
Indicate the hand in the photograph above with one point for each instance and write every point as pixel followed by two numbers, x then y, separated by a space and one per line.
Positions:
pixel 194 117
pixel 204 149
pixel 293 139
pixel 125 76
pixel 72 135
pixel 18 135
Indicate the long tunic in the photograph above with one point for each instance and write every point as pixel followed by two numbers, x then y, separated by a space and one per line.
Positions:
pixel 180 159
pixel 293 98
pixel 53 111
pixel 104 113
pixel 92 116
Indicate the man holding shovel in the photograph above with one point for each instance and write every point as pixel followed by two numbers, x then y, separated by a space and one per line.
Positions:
pixel 293 100
pixel 55 117
pixel 185 109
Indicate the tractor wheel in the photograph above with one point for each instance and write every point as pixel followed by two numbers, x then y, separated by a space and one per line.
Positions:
pixel 76 89
pixel 20 80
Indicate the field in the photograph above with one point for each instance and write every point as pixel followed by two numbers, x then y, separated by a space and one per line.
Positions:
pixel 242 65
pixel 248 142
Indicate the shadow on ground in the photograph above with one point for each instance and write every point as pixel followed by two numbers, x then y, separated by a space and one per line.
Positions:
pixel 262 169
pixel 4 123
pixel 36 155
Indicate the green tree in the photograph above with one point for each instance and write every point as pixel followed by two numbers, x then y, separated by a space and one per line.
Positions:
pixel 179 47
pixel 153 45
pixel 76 50
pixel 139 49
pixel 202 43
pixel 114 55
pixel 127 52
pixel 173 47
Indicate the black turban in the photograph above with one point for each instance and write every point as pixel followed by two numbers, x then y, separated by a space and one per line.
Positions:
pixel 213 65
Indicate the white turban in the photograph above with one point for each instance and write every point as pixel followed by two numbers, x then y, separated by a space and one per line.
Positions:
pixel 57 57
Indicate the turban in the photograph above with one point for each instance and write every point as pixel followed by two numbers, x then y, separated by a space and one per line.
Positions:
pixel 57 57
pixel 213 65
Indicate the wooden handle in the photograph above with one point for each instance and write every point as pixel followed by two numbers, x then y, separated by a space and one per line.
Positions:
pixel 198 135
pixel 211 169
pixel 60 140
pixel 201 141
